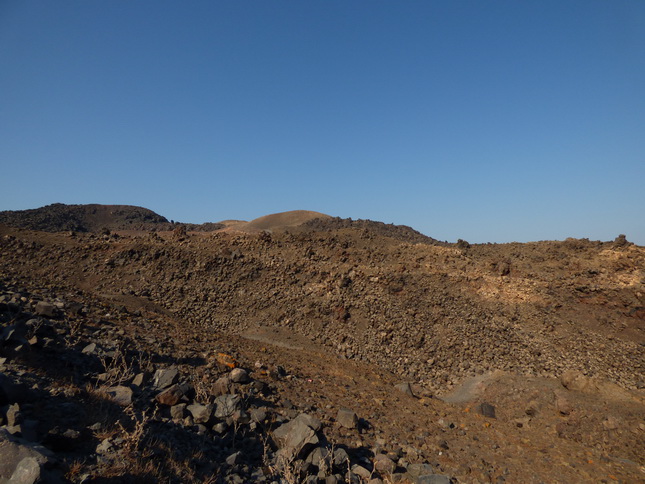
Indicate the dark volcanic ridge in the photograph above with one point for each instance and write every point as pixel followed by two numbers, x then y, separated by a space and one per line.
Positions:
pixel 59 217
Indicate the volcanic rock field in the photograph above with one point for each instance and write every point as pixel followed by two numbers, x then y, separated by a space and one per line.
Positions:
pixel 301 347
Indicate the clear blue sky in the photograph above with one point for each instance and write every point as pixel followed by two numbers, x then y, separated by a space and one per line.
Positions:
pixel 482 120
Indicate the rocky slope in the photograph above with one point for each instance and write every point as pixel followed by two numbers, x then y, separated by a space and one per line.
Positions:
pixel 398 232
pixel 433 314
pixel 95 396
pixel 535 350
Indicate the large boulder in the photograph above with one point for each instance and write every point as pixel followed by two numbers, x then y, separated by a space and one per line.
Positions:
pixel 46 309
pixel 239 375
pixel 227 405
pixel 121 395
pixel 166 377
pixel 384 464
pixel 347 418
pixel 200 413
pixel 21 462
pixel 297 437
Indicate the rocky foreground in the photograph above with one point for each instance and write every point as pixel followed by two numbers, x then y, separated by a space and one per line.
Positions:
pixel 327 353
pixel 85 402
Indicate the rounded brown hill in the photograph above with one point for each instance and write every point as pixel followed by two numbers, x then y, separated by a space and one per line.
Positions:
pixel 276 221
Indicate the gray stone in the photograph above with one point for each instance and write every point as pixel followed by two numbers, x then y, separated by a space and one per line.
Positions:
pixel 45 309
pixel 178 412
pixel 487 410
pixel 227 405
pixel 165 377
pixel 361 471
pixel 90 349
pixel 239 375
pixel 13 415
pixel 295 438
pixel 121 395
pixel 320 457
pixel 12 454
pixel 222 386
pixel 234 458
pixel 200 413
pixel 310 421
pixel 347 418
pixel 104 447
pixel 139 379
pixel 341 458
pixel 258 415
pixel 384 464
pixel 27 472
